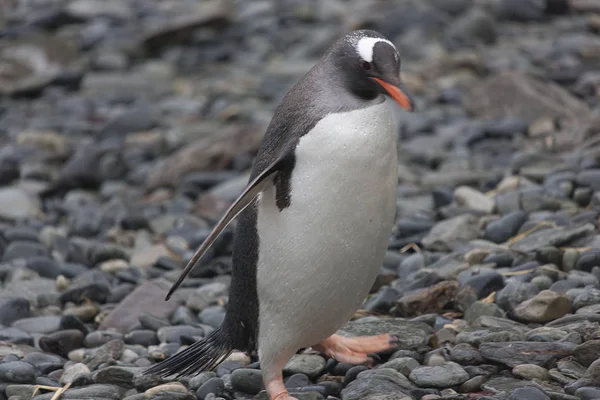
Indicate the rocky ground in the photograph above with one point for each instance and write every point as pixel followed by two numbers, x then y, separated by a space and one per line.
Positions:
pixel 127 127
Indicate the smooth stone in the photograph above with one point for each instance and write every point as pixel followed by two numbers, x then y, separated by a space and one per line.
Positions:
pixel 588 260
pixel 12 309
pixel 18 372
pixel 544 307
pixel 15 336
pixel 144 337
pixel 528 393
pixel 378 383
pixel 47 324
pixel 45 363
pixel 439 376
pixel 465 354
pixel 98 338
pixel 506 227
pixel 173 334
pixel 62 342
pixel 151 322
pixel 514 293
pixel 530 371
pixel 206 295
pixel 24 250
pixel 485 283
pixel 307 364
pixel 588 393
pixel 247 380
pixel 473 384
pixel 215 386
pixel 404 365
pixel 516 353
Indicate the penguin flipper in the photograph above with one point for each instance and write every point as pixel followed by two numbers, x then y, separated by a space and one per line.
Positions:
pixel 255 187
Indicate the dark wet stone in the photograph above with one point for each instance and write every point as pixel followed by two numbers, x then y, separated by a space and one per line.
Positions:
pixel 587 260
pixel 95 291
pixel 383 301
pixel 353 373
pixel 12 309
pixel 501 260
pixel 70 321
pixel 144 338
pixel 485 283
pixel 517 353
pixel 44 266
pixel 62 342
pixel 465 354
pixel 18 372
pixel 590 178
pixel 514 293
pixel 442 196
pixel 506 227
pixel 45 363
pixel 297 381
pixel 247 380
pixel 215 386
pixel 24 250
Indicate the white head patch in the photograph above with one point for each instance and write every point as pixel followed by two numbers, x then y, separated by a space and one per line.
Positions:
pixel 365 46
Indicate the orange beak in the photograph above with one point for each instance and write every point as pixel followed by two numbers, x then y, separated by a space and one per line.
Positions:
pixel 397 94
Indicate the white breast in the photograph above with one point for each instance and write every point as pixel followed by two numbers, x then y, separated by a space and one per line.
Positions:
pixel 319 257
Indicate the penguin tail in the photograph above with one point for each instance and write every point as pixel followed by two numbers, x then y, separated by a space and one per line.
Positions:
pixel 204 355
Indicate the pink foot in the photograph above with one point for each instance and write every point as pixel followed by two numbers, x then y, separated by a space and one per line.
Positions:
pixel 277 391
pixel 355 350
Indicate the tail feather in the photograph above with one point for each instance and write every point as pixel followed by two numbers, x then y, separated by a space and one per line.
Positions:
pixel 203 355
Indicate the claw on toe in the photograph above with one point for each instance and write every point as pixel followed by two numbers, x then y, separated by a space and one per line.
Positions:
pixel 356 350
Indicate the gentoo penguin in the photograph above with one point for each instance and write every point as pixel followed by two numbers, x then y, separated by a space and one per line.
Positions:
pixel 314 219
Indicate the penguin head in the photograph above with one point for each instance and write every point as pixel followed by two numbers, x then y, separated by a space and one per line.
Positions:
pixel 370 65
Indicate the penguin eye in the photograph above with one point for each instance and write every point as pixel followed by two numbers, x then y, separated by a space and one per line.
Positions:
pixel 366 65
